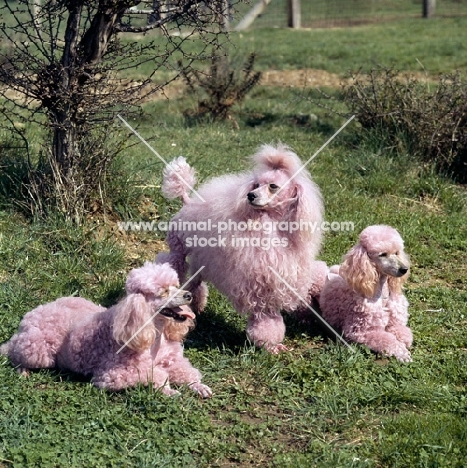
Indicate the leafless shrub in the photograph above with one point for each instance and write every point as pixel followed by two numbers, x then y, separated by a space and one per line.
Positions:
pixel 224 85
pixel 431 117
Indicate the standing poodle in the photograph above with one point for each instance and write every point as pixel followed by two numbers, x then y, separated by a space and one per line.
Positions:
pixel 139 340
pixel 255 234
pixel 364 299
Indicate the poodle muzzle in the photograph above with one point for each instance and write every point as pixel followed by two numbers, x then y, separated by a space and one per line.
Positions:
pixel 392 265
pixel 179 314
pixel 178 297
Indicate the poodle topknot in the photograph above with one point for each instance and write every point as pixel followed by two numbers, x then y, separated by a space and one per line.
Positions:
pixel 363 296
pixel 262 269
pixel 138 340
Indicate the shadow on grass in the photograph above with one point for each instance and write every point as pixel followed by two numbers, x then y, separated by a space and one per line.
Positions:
pixel 306 321
pixel 113 295
pixel 214 330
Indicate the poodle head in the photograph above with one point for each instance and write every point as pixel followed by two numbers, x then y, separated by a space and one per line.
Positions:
pixel 379 252
pixel 158 282
pixel 152 290
pixel 282 186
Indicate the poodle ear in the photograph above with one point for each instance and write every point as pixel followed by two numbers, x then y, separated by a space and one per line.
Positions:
pixel 132 323
pixel 359 271
pixel 308 207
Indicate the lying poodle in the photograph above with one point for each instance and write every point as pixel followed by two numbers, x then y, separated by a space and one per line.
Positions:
pixel 363 297
pixel 256 235
pixel 137 340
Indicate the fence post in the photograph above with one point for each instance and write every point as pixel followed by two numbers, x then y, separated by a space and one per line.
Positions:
pixel 294 13
pixel 428 8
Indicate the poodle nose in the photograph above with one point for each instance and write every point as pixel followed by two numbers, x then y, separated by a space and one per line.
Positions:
pixel 403 270
pixel 187 296
pixel 251 196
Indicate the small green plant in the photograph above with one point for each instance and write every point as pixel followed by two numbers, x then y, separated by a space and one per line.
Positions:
pixel 429 119
pixel 223 86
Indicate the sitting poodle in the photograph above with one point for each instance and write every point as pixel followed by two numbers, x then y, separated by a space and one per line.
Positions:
pixel 363 297
pixel 139 340
pixel 256 235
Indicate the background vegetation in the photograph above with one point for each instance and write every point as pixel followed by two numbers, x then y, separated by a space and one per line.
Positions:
pixel 319 405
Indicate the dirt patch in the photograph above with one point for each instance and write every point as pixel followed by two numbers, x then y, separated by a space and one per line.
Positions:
pixel 139 249
pixel 139 245
pixel 305 78
pixel 312 78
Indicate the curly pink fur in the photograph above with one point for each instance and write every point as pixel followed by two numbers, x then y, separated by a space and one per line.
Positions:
pixel 256 280
pixel 118 347
pixel 363 297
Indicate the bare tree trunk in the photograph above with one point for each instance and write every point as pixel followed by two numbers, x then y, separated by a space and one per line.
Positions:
pixel 64 148
pixel 36 7
pixel 157 14
pixel 223 14
pixel 96 38
pixel 92 47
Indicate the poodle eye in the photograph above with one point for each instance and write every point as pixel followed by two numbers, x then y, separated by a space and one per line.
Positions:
pixel 273 187
pixel 255 186
pixel 164 293
pixel 384 254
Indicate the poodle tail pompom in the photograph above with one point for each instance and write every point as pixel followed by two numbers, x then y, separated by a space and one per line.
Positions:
pixel 179 179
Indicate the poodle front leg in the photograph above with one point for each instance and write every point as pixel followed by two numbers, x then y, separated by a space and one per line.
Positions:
pixel 182 372
pixel 120 377
pixel 177 256
pixel 267 331
pixel 402 333
pixel 398 317
pixel 384 343
pixel 201 389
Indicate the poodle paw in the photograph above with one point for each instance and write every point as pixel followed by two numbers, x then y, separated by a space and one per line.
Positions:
pixel 202 390
pixel 23 371
pixel 404 358
pixel 276 348
pixel 402 354
pixel 169 391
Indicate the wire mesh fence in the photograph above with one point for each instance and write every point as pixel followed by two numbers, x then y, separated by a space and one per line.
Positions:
pixel 335 13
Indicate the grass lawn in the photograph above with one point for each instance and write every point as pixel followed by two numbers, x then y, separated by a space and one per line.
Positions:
pixel 318 405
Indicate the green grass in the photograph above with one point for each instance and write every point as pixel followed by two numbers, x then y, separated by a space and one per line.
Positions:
pixel 319 405
pixel 416 45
